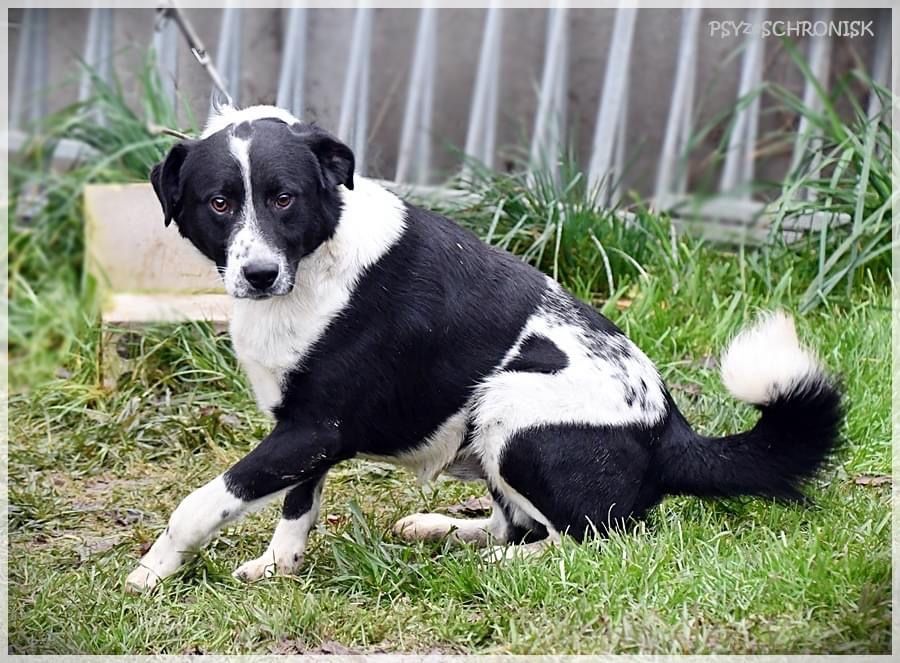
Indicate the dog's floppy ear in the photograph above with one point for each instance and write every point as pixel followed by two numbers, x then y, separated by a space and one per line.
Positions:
pixel 166 180
pixel 335 158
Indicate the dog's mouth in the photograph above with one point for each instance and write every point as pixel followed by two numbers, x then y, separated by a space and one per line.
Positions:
pixel 255 294
pixel 259 296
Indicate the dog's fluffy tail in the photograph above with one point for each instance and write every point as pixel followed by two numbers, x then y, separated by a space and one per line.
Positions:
pixel 764 365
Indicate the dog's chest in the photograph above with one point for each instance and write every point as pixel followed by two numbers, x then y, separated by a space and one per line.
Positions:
pixel 265 357
pixel 272 337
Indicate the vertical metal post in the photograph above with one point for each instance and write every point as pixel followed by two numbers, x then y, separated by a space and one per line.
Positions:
pixel 41 79
pixel 104 47
pixel 619 153
pixel 352 126
pixel 18 101
pixel 550 119
pixel 678 125
pixel 881 63
pixel 28 102
pixel 609 114
pixel 228 52
pixel 819 65
pixel 165 46
pixel 415 135
pixel 738 168
pixel 423 154
pixel 293 63
pixel 97 55
pixel 482 131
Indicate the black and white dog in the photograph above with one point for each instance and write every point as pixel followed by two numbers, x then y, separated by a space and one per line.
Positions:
pixel 370 327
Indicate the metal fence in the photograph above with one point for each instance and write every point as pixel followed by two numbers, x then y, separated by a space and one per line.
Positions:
pixel 608 153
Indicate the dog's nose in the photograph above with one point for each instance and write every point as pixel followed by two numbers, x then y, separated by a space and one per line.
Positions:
pixel 261 275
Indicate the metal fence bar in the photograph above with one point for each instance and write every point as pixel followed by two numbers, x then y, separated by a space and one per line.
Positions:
pixel 680 183
pixel 165 46
pixel 481 133
pixel 678 125
pixel 423 156
pixel 105 45
pixel 293 63
pixel 416 128
pixel 355 100
pixel 41 79
pixel 228 52
pixel 615 185
pixel 491 107
pixel 819 65
pixel 361 132
pixel 18 101
pixel 28 102
pixel 881 63
pixel 91 54
pixel 545 139
pixel 615 87
pixel 97 55
pixel 738 168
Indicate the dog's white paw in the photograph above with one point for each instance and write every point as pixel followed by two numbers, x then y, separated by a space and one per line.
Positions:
pixel 142 579
pixel 256 569
pixel 519 551
pixel 423 527
pixel 268 566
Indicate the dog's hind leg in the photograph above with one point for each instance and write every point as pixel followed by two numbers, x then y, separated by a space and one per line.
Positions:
pixel 285 551
pixel 435 526
pixel 291 455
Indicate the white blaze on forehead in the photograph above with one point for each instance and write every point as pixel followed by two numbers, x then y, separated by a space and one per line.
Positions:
pixel 248 243
pixel 228 115
pixel 240 150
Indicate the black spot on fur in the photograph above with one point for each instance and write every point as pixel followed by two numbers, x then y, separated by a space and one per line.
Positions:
pixel 243 131
pixel 538 354
pixel 630 395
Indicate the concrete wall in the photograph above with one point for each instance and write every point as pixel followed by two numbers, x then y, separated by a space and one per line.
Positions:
pixel 652 70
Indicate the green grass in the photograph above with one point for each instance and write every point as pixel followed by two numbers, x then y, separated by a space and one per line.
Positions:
pixel 96 469
pixel 737 576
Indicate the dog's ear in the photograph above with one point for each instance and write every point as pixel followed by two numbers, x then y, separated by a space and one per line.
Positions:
pixel 335 159
pixel 166 180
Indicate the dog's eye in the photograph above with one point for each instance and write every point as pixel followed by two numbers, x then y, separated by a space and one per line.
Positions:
pixel 219 204
pixel 284 200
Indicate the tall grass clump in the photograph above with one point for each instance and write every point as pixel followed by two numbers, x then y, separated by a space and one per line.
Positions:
pixel 49 295
pixel 844 175
pixel 556 223
pixel 831 214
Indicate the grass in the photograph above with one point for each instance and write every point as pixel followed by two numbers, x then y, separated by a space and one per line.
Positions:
pixel 94 475
pixel 845 169
pixel 95 469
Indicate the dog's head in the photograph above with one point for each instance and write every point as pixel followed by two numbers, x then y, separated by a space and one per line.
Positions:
pixel 256 193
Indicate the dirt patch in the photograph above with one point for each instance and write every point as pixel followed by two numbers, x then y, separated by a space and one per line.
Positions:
pixel 298 646
pixel 873 480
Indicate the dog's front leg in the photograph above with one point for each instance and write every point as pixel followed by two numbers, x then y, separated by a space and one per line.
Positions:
pixel 285 551
pixel 292 455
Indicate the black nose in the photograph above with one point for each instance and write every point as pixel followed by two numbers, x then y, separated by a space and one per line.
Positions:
pixel 261 275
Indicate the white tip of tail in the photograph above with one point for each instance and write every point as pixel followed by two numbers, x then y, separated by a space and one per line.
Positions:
pixel 766 360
